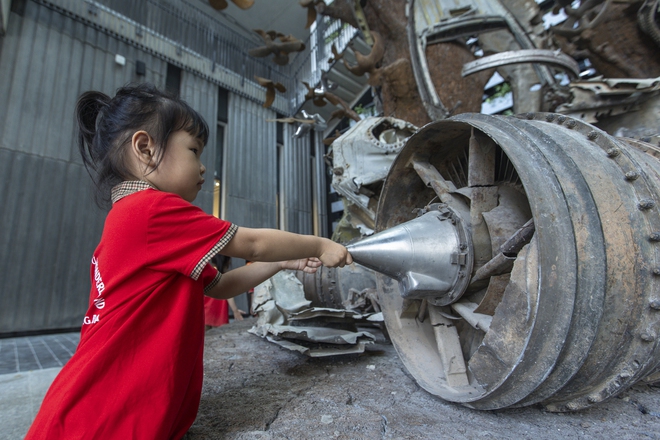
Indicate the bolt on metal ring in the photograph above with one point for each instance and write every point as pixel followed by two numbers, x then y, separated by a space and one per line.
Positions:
pixel 571 123
pixel 632 175
pixel 613 152
pixel 647 337
pixel 655 236
pixel 549 117
pixel 655 304
pixel 592 135
pixel 646 204
pixel 561 119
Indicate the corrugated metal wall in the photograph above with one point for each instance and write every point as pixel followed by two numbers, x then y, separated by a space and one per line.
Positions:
pixel 250 180
pixel 297 190
pixel 203 97
pixel 49 224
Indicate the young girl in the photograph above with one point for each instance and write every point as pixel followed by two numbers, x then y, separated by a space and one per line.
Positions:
pixel 137 372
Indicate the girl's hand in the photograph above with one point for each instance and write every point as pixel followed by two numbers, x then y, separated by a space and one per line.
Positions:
pixel 309 265
pixel 335 254
pixel 238 314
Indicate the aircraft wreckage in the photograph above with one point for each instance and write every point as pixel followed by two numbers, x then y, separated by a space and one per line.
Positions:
pixel 515 259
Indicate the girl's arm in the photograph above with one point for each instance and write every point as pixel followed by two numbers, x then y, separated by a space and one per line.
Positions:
pixel 273 245
pixel 240 280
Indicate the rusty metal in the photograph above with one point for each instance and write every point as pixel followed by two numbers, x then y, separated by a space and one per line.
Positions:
pixel 361 158
pixel 597 97
pixel 287 317
pixel 543 56
pixel 585 16
pixel 331 287
pixel 437 21
pixel 575 321
pixel 503 261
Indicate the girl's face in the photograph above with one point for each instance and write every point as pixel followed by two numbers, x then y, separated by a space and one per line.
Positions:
pixel 181 170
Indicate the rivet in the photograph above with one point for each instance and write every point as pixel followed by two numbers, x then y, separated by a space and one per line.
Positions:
pixel 549 117
pixel 593 398
pixel 655 236
pixel 646 204
pixel 647 337
pixel 561 119
pixel 529 116
pixel 624 375
pixel 632 175
pixel 613 152
pixel 656 271
pixel 592 135
pixel 571 123
pixel 572 406
pixel 655 304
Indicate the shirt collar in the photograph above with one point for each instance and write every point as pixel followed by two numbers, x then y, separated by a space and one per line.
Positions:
pixel 127 188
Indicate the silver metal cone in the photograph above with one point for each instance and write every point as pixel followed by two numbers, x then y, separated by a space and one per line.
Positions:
pixel 430 256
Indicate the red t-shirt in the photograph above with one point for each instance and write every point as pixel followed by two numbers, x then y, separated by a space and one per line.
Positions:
pixel 137 372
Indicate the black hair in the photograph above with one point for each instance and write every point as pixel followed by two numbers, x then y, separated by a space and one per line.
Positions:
pixel 106 125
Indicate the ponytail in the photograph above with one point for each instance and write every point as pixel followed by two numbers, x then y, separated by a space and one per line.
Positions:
pixel 88 107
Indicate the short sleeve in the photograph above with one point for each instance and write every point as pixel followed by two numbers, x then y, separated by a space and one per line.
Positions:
pixel 210 277
pixel 183 238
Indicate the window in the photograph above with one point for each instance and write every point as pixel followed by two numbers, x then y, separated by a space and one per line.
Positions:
pixel 173 79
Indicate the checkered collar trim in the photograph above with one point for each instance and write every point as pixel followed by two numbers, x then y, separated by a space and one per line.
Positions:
pixel 127 188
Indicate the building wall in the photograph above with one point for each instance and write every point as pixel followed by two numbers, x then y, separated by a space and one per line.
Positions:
pixel 297 188
pixel 203 97
pixel 251 155
pixel 49 224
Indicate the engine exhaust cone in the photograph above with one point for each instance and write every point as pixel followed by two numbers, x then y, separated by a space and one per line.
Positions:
pixel 430 256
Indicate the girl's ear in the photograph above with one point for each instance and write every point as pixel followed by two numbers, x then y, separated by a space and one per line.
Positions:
pixel 143 148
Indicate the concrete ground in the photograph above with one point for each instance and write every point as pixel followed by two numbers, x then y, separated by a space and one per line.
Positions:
pixel 256 390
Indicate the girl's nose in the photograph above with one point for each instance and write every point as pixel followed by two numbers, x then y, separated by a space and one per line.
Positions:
pixel 202 170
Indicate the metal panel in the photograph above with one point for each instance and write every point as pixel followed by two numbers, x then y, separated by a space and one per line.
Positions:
pixel 4 15
pixel 297 189
pixel 48 230
pixel 49 225
pixel 37 107
pixel 182 33
pixel 203 97
pixel 251 155
pixel 320 208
